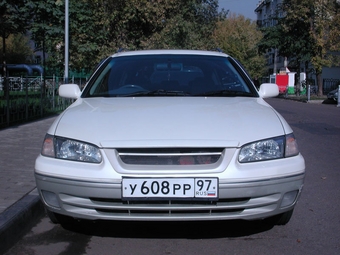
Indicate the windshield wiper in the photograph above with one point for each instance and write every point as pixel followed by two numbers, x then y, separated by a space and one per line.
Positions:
pixel 163 92
pixel 158 92
pixel 228 93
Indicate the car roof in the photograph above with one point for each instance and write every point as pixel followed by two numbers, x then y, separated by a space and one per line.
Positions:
pixel 166 51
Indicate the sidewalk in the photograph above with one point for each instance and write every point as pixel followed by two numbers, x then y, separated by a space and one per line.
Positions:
pixel 303 98
pixel 20 205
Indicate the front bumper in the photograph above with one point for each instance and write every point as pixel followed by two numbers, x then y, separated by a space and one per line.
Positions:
pixel 102 201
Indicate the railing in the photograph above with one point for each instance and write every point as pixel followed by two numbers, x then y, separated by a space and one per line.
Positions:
pixel 25 99
pixel 329 85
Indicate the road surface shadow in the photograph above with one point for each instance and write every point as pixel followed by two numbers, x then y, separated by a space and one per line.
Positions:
pixel 329 101
pixel 166 230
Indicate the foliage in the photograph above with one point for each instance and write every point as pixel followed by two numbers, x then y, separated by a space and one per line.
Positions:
pixel 334 34
pixel 14 17
pixel 18 50
pixel 308 32
pixel 238 37
pixel 47 27
pixel 290 36
pixel 185 24
pixel 100 27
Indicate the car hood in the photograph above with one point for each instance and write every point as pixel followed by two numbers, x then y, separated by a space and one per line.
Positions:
pixel 169 121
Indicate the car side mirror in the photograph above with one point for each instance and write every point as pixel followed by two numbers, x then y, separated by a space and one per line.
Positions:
pixel 268 90
pixel 69 91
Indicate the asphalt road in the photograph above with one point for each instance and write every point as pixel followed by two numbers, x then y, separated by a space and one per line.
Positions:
pixel 313 229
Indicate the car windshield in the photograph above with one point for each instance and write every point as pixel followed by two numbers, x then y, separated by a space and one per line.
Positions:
pixel 169 75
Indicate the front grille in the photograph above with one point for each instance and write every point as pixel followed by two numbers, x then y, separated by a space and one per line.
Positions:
pixel 177 156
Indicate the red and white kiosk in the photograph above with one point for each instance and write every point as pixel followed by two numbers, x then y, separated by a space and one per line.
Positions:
pixel 285 81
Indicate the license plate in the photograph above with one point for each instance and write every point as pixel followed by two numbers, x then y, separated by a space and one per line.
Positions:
pixel 170 188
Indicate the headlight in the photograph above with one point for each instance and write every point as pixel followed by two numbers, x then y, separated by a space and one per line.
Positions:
pixel 274 148
pixel 64 148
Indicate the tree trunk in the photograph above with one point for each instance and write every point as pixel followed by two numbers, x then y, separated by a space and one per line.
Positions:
pixel 319 83
pixel 5 81
pixel 4 55
pixel 4 66
pixel 306 69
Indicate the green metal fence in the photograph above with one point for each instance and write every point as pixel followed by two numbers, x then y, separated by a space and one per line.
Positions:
pixel 28 98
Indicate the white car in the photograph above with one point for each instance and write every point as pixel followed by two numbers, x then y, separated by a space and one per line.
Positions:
pixel 170 135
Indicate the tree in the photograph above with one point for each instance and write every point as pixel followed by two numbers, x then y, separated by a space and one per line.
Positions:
pixel 187 24
pixel 290 36
pixel 86 24
pixel 334 29
pixel 239 37
pixel 14 18
pixel 47 27
pixel 334 35
pixel 100 27
pixel 322 21
pixel 18 50
pixel 306 33
pixel 88 34
pixel 144 24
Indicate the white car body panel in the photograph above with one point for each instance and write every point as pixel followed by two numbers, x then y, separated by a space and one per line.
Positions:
pixel 108 116
pixel 175 121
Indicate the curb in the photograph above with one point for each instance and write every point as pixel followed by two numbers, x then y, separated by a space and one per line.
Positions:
pixel 18 219
pixel 315 101
pixel 305 100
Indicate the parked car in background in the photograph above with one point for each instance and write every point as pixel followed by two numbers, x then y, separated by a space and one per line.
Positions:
pixel 333 95
pixel 170 135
